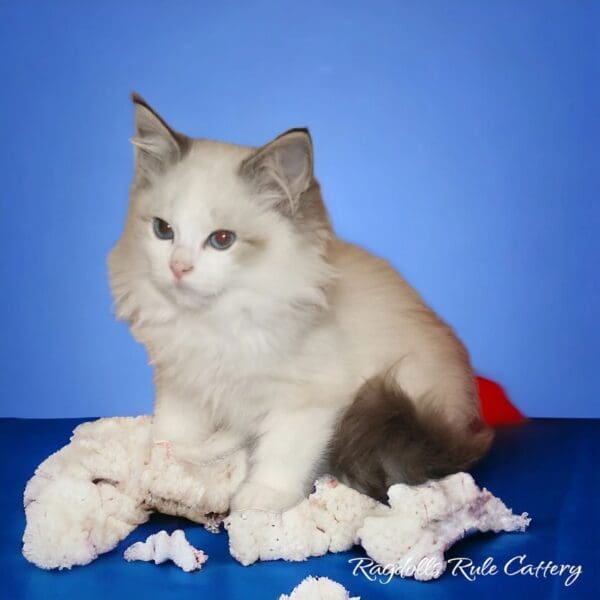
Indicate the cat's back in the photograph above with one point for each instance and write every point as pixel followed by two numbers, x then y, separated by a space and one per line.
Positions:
pixel 380 314
pixel 363 278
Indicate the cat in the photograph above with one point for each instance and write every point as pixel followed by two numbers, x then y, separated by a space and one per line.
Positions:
pixel 265 329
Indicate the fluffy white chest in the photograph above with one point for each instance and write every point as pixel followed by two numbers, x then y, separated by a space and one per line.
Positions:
pixel 240 369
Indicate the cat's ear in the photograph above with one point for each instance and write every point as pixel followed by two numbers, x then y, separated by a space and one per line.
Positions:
pixel 282 169
pixel 156 145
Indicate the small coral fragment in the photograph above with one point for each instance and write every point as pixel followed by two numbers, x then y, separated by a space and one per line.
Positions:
pixel 321 588
pixel 161 547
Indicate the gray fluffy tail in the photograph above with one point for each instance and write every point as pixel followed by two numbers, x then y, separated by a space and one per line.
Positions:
pixel 381 439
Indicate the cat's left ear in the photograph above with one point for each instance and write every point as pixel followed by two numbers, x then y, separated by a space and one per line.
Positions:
pixel 156 145
pixel 282 170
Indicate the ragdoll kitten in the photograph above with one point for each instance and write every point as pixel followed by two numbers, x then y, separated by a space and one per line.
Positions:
pixel 266 329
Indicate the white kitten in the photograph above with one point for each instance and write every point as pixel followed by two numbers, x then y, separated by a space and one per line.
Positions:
pixel 265 329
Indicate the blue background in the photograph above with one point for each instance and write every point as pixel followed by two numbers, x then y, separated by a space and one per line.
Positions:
pixel 457 139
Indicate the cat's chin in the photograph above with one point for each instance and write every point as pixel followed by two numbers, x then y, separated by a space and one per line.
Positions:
pixel 190 299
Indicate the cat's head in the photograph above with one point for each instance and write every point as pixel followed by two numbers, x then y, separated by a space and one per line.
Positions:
pixel 210 223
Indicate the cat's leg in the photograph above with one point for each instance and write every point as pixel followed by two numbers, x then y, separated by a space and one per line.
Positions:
pixel 179 420
pixel 192 469
pixel 188 432
pixel 290 447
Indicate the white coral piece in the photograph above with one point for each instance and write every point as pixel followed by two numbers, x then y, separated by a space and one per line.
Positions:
pixel 319 588
pixel 424 521
pixel 161 547
pixel 326 522
pixel 87 497
pixel 421 523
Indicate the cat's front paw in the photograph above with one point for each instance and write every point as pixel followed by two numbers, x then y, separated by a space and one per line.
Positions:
pixel 261 497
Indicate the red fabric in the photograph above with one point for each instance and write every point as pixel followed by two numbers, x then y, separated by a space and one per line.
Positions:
pixel 496 408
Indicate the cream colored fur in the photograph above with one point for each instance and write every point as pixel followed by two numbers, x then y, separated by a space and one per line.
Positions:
pixel 265 343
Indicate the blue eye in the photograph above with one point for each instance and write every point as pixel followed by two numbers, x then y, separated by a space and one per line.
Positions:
pixel 221 239
pixel 162 229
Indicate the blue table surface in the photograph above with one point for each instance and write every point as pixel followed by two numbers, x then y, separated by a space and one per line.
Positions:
pixel 548 468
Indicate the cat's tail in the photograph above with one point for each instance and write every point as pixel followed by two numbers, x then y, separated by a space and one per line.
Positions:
pixel 382 439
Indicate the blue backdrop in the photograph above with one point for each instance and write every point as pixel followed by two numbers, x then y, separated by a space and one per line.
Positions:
pixel 457 139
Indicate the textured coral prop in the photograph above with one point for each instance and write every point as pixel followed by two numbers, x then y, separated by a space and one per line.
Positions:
pixel 161 547
pixel 420 524
pixel 87 497
pixel 321 588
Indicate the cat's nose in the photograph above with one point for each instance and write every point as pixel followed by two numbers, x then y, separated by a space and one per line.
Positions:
pixel 180 268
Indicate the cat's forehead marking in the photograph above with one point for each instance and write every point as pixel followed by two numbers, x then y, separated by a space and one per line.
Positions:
pixel 205 188
pixel 219 151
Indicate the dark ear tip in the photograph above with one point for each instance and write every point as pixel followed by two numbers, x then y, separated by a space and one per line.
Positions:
pixel 297 130
pixel 303 130
pixel 137 99
pixel 306 132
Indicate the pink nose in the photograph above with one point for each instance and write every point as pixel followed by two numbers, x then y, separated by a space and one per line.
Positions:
pixel 180 269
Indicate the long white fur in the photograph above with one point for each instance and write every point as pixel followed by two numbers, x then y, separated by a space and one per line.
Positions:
pixel 268 341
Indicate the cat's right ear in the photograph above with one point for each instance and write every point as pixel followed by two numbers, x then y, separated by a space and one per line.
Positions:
pixel 157 146
pixel 282 169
